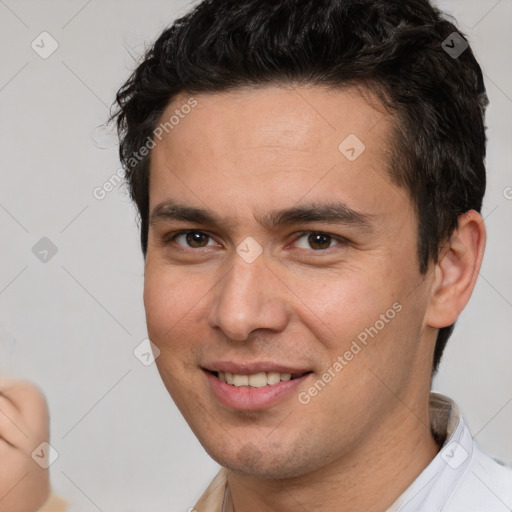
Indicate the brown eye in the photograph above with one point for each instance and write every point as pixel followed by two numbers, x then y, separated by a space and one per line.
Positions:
pixel 319 241
pixel 316 240
pixel 193 239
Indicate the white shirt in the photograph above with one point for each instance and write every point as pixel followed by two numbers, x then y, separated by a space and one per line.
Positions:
pixel 460 478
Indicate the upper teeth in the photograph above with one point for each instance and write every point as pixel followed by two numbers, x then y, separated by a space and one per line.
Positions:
pixel 256 380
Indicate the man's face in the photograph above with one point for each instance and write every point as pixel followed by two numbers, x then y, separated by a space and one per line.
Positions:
pixel 320 284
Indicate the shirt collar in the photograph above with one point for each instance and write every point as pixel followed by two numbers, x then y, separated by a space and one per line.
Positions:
pixel 436 482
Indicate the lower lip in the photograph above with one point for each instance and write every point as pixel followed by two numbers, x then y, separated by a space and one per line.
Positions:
pixel 253 399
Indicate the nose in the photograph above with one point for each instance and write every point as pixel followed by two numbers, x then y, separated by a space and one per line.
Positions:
pixel 249 297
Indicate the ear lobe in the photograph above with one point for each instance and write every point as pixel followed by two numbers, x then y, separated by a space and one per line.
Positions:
pixel 456 271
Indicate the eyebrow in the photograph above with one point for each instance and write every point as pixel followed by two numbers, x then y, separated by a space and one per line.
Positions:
pixel 332 212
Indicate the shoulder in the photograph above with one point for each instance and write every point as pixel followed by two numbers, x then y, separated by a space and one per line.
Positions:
pixel 54 504
pixel 485 486
pixel 213 498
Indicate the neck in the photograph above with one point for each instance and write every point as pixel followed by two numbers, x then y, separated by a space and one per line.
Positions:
pixel 386 464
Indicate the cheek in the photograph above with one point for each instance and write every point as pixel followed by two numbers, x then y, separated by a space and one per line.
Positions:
pixel 169 325
pixel 344 304
pixel 167 299
pixel 174 301
pixel 157 301
pixel 367 318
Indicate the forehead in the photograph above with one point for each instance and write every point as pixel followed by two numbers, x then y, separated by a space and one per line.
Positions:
pixel 294 118
pixel 273 145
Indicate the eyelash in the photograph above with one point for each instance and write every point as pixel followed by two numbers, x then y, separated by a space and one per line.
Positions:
pixel 172 236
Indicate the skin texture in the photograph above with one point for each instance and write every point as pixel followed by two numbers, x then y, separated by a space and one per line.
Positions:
pixel 242 154
pixel 24 425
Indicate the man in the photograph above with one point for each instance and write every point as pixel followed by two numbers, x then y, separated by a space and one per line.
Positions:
pixel 309 176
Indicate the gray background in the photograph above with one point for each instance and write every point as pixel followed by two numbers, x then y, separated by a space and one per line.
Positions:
pixel 71 323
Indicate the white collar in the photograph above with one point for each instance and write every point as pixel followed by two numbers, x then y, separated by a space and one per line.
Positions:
pixel 437 481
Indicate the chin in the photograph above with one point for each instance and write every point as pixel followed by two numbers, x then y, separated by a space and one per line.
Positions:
pixel 268 462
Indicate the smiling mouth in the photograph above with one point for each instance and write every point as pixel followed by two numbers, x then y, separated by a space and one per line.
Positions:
pixel 256 380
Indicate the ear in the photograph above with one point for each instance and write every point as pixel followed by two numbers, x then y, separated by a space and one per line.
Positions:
pixel 456 271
